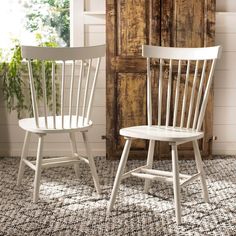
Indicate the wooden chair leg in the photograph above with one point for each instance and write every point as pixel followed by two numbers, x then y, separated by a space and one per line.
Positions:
pixel 24 154
pixel 38 169
pixel 119 174
pixel 176 183
pixel 74 152
pixel 149 163
pixel 200 169
pixel 91 163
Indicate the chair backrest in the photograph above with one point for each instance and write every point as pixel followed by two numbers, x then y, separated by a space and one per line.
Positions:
pixel 184 80
pixel 71 97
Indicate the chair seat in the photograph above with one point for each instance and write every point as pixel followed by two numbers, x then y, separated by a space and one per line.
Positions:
pixel 161 133
pixel 28 124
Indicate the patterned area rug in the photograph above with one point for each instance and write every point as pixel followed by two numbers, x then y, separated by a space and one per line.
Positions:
pixel 70 206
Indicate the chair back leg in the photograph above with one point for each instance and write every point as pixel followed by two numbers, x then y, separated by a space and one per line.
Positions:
pixel 149 163
pixel 38 169
pixel 119 174
pixel 91 163
pixel 200 169
pixel 74 153
pixel 176 182
pixel 23 157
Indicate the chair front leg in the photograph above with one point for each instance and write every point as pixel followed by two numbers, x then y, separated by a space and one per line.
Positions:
pixel 149 163
pixel 74 152
pixel 24 154
pixel 119 173
pixel 200 169
pixel 176 183
pixel 38 169
pixel 91 163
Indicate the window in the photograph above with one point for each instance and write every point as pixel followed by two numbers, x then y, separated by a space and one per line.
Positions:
pixel 34 22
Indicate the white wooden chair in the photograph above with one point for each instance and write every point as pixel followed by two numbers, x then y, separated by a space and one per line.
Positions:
pixel 169 128
pixel 70 110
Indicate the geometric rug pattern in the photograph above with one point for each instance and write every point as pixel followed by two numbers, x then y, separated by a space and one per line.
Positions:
pixel 70 206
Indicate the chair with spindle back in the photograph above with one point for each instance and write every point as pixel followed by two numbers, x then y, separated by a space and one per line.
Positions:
pixel 183 117
pixel 63 110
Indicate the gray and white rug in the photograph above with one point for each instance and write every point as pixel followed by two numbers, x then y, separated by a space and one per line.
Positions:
pixel 70 206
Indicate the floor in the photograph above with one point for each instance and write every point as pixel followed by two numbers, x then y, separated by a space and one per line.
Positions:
pixel 70 206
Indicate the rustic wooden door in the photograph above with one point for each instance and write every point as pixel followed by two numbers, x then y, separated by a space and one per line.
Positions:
pixel 129 24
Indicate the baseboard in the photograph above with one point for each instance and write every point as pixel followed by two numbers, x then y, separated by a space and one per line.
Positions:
pixel 224 152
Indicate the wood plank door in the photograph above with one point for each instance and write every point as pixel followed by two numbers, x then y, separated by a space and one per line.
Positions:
pixel 129 24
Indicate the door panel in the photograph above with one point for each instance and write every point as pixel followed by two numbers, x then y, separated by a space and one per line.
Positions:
pixel 131 104
pixel 131 32
pixel 130 23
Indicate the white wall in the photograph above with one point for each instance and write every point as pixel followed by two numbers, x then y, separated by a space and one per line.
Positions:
pixel 224 124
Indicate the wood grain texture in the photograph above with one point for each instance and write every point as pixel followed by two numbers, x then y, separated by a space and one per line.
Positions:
pixel 131 23
pixel 111 13
pixel 131 105
pixel 132 32
pixel 189 23
pixel 209 39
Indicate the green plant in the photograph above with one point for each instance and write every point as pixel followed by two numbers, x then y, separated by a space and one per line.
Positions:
pixel 14 84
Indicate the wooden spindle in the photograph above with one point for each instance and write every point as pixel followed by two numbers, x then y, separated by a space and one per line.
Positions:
pixel 79 90
pixel 160 92
pixel 203 75
pixel 169 94
pixel 185 95
pixel 93 89
pixel 62 94
pixel 53 95
pixel 86 91
pixel 149 95
pixel 177 94
pixel 192 95
pixel 33 96
pixel 71 90
pixel 44 96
